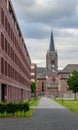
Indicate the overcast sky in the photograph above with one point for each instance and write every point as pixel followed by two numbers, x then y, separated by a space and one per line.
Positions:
pixel 36 19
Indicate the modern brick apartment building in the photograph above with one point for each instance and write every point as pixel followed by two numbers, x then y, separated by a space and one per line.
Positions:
pixel 15 63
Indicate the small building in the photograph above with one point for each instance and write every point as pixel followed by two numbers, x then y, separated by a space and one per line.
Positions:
pixel 62 80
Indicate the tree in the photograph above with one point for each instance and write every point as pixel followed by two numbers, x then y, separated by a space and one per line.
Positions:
pixel 33 86
pixel 73 82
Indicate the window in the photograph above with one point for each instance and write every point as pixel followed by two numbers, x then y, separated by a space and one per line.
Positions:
pixel 8 70
pixel 32 66
pixel 2 41
pixel 5 68
pixel 8 29
pixel 2 16
pixel 2 65
pixel 5 45
pixel 8 49
pixel 11 71
pixel 11 52
pixel 11 33
pixel 5 23
pixel 6 1
pixel 32 74
pixel 13 55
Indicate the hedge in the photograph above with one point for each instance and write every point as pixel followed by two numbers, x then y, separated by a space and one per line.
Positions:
pixel 14 107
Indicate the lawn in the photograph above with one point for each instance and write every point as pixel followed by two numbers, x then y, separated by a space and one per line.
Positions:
pixel 33 101
pixel 18 114
pixel 70 104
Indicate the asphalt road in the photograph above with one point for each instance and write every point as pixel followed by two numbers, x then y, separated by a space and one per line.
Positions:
pixel 47 116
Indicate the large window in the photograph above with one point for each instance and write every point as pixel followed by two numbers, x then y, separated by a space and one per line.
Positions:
pixel 2 65
pixel 2 16
pixel 2 41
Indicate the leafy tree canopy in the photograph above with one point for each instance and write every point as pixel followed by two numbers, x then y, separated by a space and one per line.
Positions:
pixel 73 82
pixel 33 86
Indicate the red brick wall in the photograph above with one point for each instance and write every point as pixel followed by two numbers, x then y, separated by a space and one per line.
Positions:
pixel 63 86
pixel 15 63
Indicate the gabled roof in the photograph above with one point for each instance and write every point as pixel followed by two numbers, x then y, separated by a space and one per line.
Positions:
pixel 69 68
pixel 51 46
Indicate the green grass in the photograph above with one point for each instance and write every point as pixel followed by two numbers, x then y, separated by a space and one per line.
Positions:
pixel 33 101
pixel 70 104
pixel 18 114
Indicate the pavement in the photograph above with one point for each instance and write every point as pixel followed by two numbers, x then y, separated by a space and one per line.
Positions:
pixel 48 115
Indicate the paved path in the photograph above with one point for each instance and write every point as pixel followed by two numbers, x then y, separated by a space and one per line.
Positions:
pixel 48 116
pixel 48 103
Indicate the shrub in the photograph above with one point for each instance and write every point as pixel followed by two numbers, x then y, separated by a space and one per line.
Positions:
pixel 14 107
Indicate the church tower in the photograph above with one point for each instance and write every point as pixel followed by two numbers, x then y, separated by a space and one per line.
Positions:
pixel 52 57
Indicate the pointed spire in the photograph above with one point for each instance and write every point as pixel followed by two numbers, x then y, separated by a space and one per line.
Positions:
pixel 51 46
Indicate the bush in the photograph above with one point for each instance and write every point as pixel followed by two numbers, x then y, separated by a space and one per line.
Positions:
pixel 13 107
pixel 23 106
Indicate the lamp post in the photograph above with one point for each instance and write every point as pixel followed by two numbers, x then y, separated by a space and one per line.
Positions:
pixel 62 91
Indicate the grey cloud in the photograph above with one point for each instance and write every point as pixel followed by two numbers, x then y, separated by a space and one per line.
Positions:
pixel 53 10
pixel 37 20
pixel 24 3
pixel 35 30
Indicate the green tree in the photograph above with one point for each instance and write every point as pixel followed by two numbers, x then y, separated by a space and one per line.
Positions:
pixel 73 82
pixel 33 86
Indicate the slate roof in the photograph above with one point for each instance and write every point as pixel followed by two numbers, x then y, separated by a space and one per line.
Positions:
pixel 70 67
pixel 51 46
pixel 40 69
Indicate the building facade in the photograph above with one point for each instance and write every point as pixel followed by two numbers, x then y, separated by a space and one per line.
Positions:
pixel 15 62
pixel 62 81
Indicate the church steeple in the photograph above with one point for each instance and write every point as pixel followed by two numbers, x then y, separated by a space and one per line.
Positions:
pixel 51 56
pixel 51 46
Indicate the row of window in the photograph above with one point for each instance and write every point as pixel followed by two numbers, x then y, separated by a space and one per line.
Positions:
pixel 10 32
pixel 8 50
pixel 8 70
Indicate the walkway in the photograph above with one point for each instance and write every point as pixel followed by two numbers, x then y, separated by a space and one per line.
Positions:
pixel 48 103
pixel 48 116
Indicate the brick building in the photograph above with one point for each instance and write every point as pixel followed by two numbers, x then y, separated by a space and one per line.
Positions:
pixel 15 63
pixel 62 80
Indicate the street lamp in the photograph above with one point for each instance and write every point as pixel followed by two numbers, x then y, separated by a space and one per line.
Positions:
pixel 62 91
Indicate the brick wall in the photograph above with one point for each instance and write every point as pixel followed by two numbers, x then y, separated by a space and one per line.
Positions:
pixel 15 62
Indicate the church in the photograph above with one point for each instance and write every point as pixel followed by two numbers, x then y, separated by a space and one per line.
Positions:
pixel 47 82
pixel 51 81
